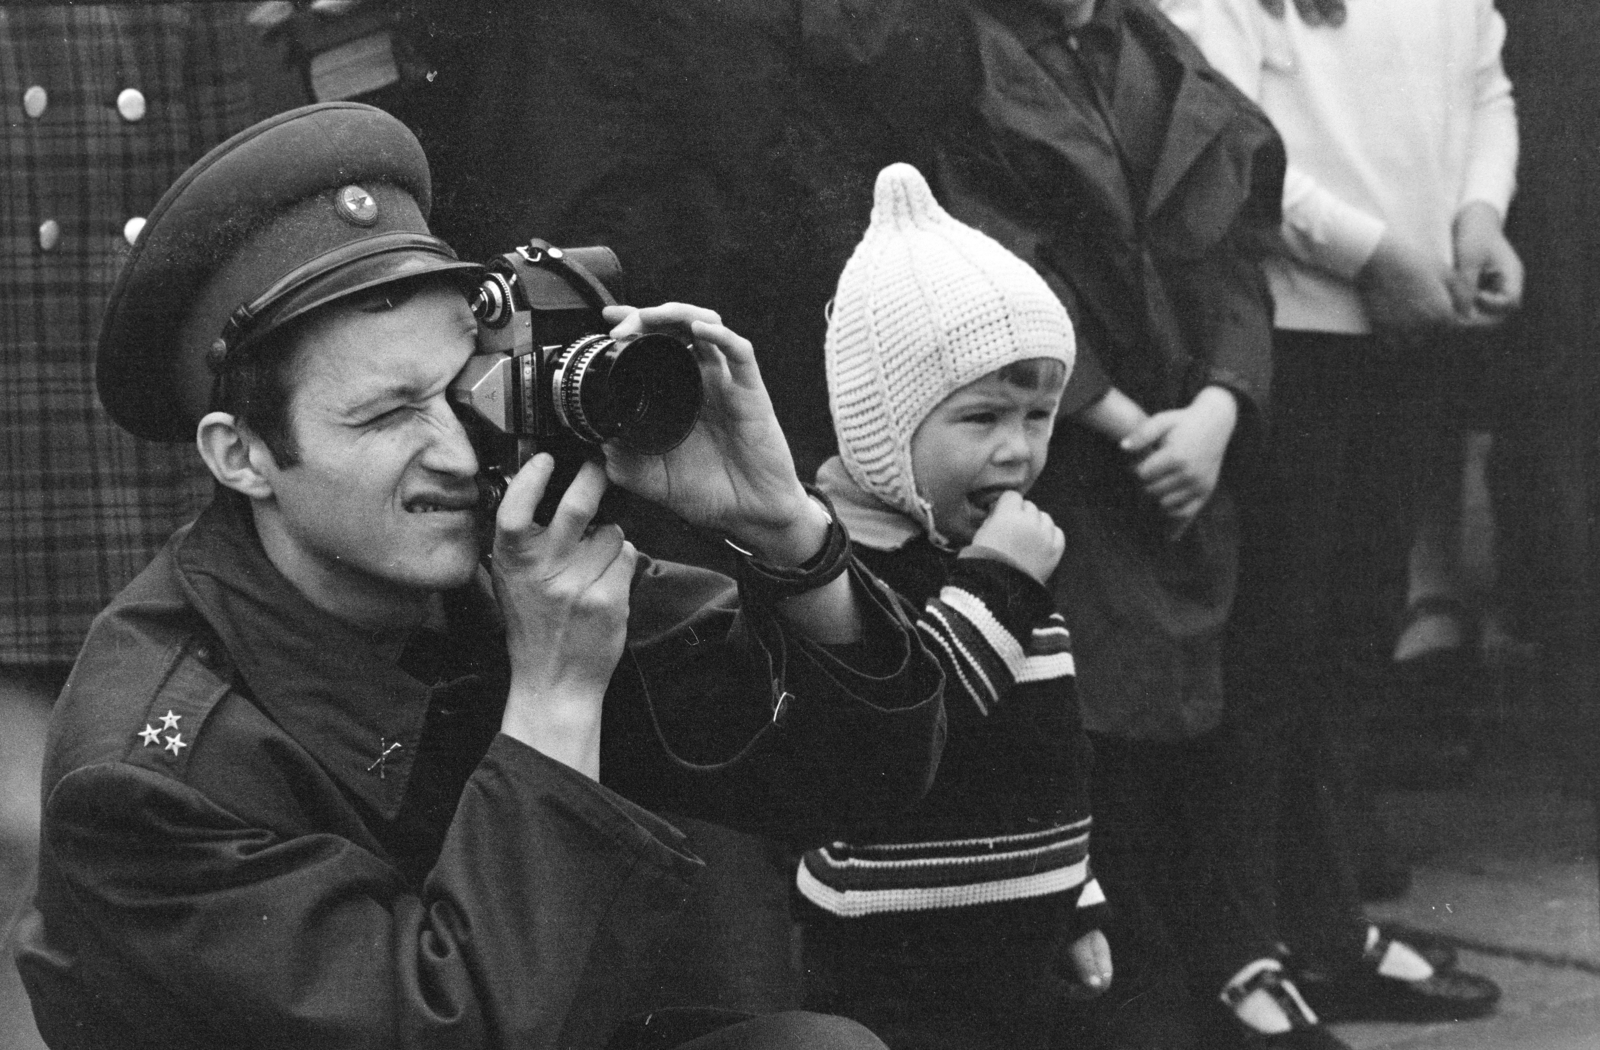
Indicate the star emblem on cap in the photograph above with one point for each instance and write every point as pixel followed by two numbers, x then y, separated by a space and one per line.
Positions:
pixel 175 743
pixel 150 735
pixel 355 205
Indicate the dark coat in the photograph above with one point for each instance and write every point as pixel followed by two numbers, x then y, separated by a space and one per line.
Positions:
pixel 1166 297
pixel 265 828
pixel 85 505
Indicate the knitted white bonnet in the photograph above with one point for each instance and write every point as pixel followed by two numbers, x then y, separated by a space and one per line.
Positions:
pixel 925 306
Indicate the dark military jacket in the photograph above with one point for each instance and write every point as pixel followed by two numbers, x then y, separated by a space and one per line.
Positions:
pixel 263 827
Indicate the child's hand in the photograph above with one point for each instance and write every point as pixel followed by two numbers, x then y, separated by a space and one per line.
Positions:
pixel 1023 534
pixel 1180 453
pixel 1090 956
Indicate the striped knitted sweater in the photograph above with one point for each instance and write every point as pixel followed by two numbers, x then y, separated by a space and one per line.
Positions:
pixel 1007 818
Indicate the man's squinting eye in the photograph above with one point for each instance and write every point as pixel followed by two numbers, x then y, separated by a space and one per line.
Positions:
pixel 393 415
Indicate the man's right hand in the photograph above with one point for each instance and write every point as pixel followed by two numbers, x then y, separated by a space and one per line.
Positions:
pixel 1022 534
pixel 563 589
pixel 1406 293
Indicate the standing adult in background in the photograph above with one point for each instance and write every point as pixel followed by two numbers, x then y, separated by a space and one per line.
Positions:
pixel 1142 185
pixel 104 106
pixel 1402 143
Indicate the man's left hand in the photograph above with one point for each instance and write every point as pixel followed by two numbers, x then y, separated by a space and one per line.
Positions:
pixel 734 473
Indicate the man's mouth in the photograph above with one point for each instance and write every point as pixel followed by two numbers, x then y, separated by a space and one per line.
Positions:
pixel 445 502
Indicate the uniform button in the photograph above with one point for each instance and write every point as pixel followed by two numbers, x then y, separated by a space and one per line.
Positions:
pixel 131 105
pixel 49 235
pixel 131 228
pixel 34 101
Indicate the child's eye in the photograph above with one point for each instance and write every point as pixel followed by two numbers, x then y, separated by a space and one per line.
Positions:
pixel 983 418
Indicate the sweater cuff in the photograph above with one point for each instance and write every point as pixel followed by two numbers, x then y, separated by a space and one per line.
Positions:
pixel 1092 913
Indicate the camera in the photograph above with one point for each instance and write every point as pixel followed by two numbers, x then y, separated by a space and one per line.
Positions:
pixel 545 378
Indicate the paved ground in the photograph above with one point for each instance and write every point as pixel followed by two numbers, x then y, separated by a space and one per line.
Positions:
pixel 1504 865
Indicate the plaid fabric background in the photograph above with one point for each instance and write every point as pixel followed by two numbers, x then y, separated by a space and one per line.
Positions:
pixel 83 505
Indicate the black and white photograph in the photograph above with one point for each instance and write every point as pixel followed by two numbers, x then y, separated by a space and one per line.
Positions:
pixel 800 525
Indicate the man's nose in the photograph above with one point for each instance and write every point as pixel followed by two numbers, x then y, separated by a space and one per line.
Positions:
pixel 450 451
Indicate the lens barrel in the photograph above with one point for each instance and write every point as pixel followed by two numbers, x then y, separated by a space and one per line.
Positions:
pixel 644 394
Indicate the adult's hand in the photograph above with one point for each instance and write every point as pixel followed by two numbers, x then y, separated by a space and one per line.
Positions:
pixel 734 473
pixel 1488 278
pixel 563 589
pixel 1179 453
pixel 1405 291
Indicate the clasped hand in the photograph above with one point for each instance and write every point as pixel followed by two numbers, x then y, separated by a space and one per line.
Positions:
pixel 1178 454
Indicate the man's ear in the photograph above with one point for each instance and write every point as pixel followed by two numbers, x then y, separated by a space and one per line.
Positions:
pixel 234 456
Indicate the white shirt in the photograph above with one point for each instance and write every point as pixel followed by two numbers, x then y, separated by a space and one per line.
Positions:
pixel 1393 120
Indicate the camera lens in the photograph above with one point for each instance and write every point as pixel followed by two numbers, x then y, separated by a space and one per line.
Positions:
pixel 644 394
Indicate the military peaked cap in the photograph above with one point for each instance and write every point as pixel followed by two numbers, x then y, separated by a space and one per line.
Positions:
pixel 294 213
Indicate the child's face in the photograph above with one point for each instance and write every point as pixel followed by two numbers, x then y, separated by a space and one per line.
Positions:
pixel 987 437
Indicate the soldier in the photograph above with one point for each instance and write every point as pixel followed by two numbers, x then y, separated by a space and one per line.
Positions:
pixel 312 783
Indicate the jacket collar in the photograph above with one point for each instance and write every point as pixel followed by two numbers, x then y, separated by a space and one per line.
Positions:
pixel 869 520
pixel 1203 100
pixel 338 690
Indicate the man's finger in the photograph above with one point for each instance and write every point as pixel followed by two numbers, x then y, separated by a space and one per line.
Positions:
pixel 578 506
pixel 523 493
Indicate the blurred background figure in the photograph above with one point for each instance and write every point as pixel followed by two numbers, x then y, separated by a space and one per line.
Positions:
pixel 104 106
pixel 1393 261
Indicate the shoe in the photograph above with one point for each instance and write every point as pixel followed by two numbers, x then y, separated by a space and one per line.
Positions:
pixel 1219 1027
pixel 1440 953
pixel 1361 993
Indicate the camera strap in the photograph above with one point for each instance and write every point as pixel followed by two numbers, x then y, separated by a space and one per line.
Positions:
pixel 547 256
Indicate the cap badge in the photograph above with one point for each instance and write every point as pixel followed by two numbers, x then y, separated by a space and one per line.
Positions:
pixel 356 206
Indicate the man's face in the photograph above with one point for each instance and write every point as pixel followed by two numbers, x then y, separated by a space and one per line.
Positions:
pixel 988 437
pixel 378 513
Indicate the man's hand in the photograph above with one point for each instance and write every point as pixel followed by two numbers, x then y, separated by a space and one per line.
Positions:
pixel 1406 293
pixel 1021 534
pixel 734 473
pixel 1090 957
pixel 563 590
pixel 1487 283
pixel 1179 453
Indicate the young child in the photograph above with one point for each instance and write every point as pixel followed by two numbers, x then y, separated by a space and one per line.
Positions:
pixel 968 921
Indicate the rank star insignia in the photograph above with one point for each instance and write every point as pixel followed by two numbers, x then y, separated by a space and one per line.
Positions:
pixel 175 743
pixel 170 720
pixel 151 735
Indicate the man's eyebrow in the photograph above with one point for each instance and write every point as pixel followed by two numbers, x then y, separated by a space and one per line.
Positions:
pixel 396 393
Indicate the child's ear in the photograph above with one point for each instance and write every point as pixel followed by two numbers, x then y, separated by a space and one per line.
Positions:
pixel 235 457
